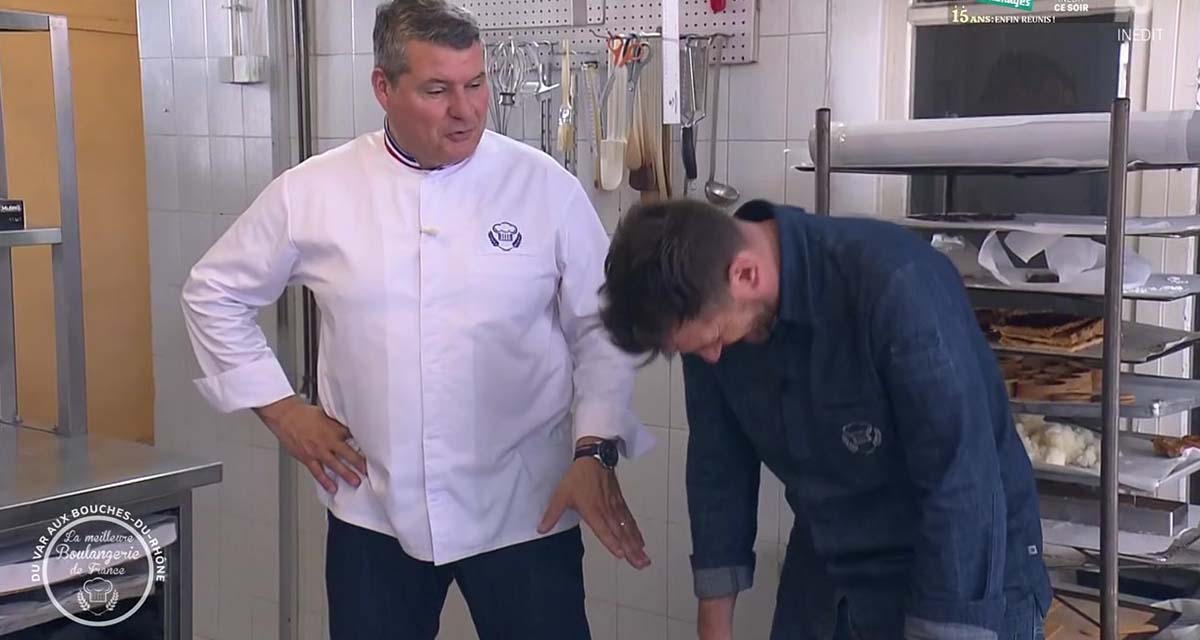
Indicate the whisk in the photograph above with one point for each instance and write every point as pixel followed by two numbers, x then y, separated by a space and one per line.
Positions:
pixel 508 65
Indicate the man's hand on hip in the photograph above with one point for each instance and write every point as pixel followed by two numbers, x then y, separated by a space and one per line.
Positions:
pixel 316 440
pixel 593 492
pixel 714 620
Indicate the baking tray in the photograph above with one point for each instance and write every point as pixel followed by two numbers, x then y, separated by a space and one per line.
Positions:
pixel 1064 225
pixel 1139 468
pixel 1072 502
pixel 1140 343
pixel 1161 287
pixel 1153 397
pixel 1144 549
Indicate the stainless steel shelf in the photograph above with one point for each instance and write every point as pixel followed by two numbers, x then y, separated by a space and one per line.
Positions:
pixel 1060 224
pixel 1161 287
pixel 31 237
pixel 1092 477
pixel 21 21
pixel 1154 397
pixel 1144 550
pixel 990 169
pixel 1141 469
pixel 1178 553
pixel 1140 343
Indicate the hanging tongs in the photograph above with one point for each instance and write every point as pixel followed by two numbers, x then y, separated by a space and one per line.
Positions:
pixel 566 112
pixel 694 79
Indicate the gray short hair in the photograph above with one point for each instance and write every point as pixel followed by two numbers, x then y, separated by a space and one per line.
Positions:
pixel 400 21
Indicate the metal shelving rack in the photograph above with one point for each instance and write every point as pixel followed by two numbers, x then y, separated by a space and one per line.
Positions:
pixel 1166 395
pixel 63 241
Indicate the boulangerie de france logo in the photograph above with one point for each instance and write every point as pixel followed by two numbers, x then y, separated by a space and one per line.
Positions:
pixel 99 564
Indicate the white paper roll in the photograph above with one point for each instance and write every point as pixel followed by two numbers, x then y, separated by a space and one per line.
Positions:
pixel 1041 141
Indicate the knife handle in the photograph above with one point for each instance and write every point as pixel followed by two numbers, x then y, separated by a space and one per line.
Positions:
pixel 689 153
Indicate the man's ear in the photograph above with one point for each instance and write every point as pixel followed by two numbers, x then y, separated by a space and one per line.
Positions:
pixel 744 275
pixel 380 86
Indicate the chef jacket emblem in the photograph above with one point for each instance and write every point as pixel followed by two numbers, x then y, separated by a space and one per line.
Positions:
pixel 861 437
pixel 505 236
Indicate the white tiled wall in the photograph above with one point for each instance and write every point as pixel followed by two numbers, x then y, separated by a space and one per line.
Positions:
pixel 209 153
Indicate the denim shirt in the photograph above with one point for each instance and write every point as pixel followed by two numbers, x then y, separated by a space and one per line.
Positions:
pixel 879 405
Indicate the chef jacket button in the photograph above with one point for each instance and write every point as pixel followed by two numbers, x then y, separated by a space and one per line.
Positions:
pixel 429 231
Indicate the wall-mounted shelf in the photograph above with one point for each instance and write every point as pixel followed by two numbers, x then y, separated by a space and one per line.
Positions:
pixel 19 21
pixel 31 237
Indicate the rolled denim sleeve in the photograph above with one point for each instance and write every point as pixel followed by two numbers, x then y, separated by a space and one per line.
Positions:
pixel 722 487
pixel 929 361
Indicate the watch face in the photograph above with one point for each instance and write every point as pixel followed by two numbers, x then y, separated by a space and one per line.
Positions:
pixel 608 453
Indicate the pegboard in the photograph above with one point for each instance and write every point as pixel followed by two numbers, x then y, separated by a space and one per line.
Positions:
pixel 526 14
pixel 547 20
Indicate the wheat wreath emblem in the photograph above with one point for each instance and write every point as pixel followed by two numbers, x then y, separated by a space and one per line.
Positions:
pixel 109 607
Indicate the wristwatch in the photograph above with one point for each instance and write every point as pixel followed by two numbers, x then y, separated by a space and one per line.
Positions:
pixel 604 451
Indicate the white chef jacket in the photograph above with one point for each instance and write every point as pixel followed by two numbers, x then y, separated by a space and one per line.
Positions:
pixel 458 338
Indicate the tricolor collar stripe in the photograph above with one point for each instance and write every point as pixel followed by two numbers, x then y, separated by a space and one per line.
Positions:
pixel 398 153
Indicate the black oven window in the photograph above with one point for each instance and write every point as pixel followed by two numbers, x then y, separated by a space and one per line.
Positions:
pixel 959 70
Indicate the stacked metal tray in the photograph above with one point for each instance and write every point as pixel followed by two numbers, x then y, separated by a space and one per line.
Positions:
pixel 1118 153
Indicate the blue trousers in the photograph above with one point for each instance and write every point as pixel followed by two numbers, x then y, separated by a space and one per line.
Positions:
pixel 530 591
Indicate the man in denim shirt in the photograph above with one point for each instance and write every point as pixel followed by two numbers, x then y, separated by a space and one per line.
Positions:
pixel 844 355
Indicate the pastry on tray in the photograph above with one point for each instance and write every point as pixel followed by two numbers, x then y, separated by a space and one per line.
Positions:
pixel 1172 447
pixel 1058 330
pixel 1013 328
pixel 1048 379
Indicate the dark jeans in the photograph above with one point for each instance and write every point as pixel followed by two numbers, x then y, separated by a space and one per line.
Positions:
pixel 529 591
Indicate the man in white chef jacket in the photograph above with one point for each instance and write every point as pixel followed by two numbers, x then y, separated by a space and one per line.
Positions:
pixel 461 356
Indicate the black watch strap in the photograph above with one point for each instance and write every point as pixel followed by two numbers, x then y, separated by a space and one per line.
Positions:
pixel 604 451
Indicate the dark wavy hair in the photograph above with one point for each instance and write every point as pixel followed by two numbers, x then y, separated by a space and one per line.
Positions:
pixel 667 264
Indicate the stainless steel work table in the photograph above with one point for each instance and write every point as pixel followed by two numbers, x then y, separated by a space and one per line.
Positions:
pixel 43 476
